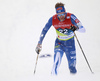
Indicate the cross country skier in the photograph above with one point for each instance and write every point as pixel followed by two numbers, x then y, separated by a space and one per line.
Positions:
pixel 65 24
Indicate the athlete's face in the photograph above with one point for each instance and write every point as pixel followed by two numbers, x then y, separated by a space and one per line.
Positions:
pixel 61 16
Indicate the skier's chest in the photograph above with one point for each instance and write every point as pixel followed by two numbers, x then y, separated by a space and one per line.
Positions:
pixel 62 24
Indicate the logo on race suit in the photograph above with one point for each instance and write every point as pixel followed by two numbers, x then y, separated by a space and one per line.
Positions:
pixel 54 17
pixel 77 21
pixel 73 57
pixel 68 17
pixel 58 36
pixel 62 25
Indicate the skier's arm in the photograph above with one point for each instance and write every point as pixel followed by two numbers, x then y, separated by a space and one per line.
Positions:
pixel 45 29
pixel 77 23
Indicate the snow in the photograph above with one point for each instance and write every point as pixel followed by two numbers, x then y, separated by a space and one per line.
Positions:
pixel 21 22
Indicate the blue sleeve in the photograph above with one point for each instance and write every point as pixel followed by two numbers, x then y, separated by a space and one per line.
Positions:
pixel 74 20
pixel 77 23
pixel 45 29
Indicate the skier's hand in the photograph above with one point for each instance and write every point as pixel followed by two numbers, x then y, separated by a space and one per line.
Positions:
pixel 38 48
pixel 73 28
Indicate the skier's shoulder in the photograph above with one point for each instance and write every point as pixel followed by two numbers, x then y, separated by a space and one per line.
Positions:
pixel 50 20
pixel 73 16
pixel 54 16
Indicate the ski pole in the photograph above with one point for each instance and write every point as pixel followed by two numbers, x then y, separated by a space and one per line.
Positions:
pixel 36 63
pixel 83 53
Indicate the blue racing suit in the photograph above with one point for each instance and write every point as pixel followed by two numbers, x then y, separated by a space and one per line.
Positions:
pixel 65 41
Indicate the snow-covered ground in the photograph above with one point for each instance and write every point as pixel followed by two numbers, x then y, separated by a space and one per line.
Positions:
pixel 21 22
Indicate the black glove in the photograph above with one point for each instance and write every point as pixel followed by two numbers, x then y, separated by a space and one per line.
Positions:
pixel 73 28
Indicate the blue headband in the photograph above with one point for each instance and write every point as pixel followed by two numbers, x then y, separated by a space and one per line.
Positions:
pixel 60 9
